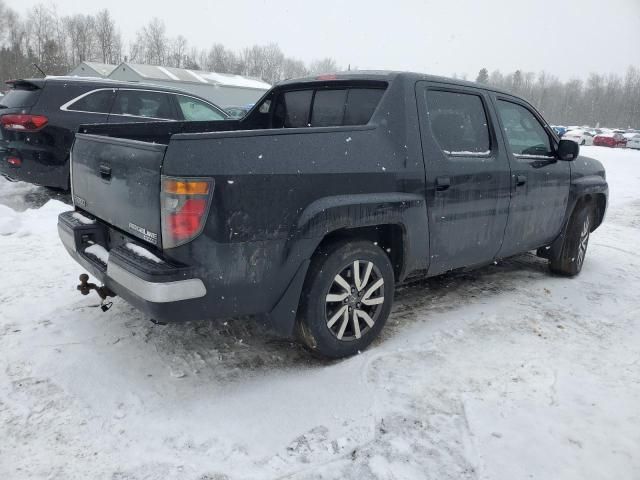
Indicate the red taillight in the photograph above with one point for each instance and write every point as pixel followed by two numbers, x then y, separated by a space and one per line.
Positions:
pixel 185 223
pixel 328 76
pixel 23 122
pixel 14 161
pixel 185 203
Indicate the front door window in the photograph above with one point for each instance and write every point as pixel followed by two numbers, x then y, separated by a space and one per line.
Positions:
pixel 524 133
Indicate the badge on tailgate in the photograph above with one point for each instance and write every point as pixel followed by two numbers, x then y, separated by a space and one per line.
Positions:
pixel 146 234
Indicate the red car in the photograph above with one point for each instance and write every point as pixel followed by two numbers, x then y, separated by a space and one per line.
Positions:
pixel 610 140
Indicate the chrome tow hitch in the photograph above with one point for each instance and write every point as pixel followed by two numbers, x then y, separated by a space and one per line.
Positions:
pixel 85 287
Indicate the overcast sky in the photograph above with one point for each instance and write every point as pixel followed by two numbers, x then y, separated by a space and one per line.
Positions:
pixel 564 37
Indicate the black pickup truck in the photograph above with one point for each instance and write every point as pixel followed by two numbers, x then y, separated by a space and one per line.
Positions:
pixel 307 212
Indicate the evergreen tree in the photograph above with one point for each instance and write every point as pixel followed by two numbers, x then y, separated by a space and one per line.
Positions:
pixel 483 76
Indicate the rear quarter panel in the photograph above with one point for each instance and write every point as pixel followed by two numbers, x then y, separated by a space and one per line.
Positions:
pixel 278 192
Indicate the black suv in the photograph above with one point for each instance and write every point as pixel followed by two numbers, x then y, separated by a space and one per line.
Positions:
pixel 39 117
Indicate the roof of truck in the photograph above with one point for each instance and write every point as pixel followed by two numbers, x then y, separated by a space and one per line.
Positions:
pixel 387 76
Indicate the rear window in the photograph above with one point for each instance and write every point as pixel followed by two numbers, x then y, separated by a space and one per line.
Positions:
pixel 326 107
pixel 20 98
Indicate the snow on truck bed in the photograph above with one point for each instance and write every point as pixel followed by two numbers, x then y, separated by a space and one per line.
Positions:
pixel 501 373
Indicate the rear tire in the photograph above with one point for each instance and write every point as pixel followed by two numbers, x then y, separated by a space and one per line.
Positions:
pixel 346 299
pixel 574 247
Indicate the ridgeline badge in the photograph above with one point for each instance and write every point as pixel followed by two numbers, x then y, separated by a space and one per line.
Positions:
pixel 146 234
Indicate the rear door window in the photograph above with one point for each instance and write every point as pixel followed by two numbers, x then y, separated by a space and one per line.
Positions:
pixel 141 103
pixel 95 102
pixel 458 122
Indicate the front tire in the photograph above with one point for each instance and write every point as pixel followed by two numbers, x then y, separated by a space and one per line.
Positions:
pixel 574 247
pixel 346 299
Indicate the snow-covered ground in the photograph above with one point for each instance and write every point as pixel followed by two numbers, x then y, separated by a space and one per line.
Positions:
pixel 502 373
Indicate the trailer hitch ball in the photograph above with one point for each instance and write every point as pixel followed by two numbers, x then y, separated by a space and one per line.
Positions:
pixel 103 292
pixel 85 287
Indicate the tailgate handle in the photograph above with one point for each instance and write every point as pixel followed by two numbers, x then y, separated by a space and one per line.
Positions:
pixel 442 183
pixel 105 171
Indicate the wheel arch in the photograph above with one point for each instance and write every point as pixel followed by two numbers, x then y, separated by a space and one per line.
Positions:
pixel 589 190
pixel 396 221
pixel 390 237
pixel 598 204
pixel 591 196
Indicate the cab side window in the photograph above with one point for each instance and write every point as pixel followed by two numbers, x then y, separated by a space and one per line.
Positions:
pixel 524 133
pixel 458 122
pixel 361 104
pixel 292 109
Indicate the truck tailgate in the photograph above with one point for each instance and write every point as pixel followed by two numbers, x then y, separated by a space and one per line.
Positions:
pixel 118 181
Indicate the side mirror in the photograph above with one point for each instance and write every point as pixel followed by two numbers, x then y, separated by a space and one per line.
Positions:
pixel 568 150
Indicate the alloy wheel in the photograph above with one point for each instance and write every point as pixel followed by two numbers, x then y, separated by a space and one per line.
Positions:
pixel 584 240
pixel 354 300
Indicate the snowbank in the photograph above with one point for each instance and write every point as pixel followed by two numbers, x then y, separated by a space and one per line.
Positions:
pixel 502 373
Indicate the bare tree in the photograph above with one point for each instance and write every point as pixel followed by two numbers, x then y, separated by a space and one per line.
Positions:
pixel 39 29
pixel 218 59
pixel 323 66
pixel 251 61
pixel 177 52
pixel 293 68
pixel 81 30
pixel 151 45
pixel 107 37
pixel 631 90
pixel 4 21
pixel 192 59
pixel 272 61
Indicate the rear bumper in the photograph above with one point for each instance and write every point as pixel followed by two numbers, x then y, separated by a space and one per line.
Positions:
pixel 39 168
pixel 165 291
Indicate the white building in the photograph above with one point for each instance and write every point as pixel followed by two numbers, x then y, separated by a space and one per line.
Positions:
pixel 223 89
pixel 92 69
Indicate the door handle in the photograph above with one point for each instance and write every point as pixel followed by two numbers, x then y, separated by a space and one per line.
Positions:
pixel 442 183
pixel 521 180
pixel 105 171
